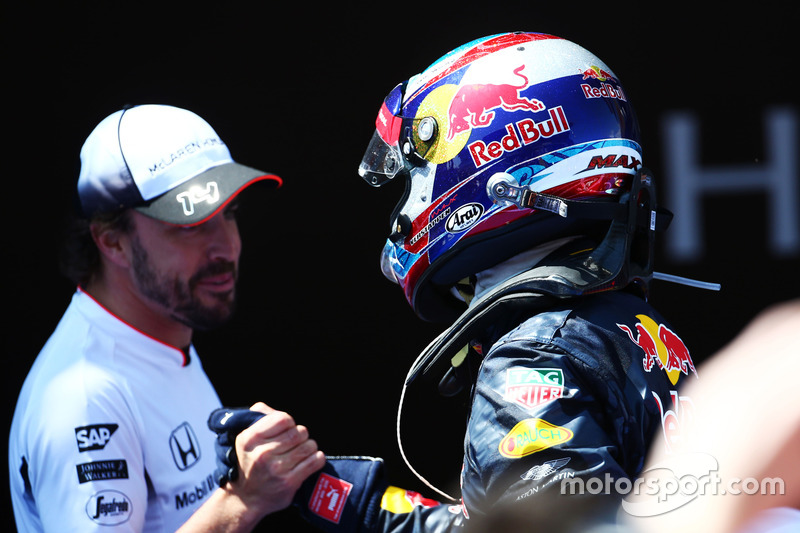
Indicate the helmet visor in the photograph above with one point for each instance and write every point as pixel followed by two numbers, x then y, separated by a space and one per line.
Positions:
pixel 383 160
pixel 397 140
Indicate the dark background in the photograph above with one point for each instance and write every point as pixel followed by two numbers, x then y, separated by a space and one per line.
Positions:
pixel 294 89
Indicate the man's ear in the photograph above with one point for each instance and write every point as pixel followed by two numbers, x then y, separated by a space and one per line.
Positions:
pixel 112 243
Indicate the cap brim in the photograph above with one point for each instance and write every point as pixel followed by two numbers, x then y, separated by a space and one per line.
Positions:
pixel 203 196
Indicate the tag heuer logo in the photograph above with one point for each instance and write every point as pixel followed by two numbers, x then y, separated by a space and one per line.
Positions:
pixel 530 387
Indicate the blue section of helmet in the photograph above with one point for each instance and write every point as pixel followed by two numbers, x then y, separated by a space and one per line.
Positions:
pixel 528 174
pixel 394 100
pixel 588 120
pixel 399 259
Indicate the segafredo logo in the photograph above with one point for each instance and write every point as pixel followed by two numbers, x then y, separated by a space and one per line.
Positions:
pixel 109 508
pixel 464 217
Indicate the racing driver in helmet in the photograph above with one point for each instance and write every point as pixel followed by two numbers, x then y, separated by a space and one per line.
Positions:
pixel 528 225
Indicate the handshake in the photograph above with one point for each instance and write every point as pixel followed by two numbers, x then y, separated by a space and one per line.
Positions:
pixel 264 454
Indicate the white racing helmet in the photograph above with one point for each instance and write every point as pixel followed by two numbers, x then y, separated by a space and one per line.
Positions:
pixel 504 143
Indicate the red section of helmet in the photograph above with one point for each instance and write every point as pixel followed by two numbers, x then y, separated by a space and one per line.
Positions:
pixel 597 186
pixel 484 48
pixel 388 126
pixel 410 282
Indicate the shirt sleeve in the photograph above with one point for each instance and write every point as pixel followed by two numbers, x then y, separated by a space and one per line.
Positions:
pixel 86 464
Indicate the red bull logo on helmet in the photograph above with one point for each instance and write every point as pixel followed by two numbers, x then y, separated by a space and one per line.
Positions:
pixel 609 86
pixel 597 73
pixel 519 134
pixel 473 104
pixel 662 348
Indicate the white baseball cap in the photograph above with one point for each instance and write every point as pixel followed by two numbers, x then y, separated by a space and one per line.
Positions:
pixel 163 161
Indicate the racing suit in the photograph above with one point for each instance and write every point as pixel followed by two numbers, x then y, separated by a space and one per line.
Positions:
pixel 579 390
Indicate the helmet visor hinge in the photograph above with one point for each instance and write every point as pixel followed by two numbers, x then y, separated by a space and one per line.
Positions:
pixel 402 227
pixel 503 189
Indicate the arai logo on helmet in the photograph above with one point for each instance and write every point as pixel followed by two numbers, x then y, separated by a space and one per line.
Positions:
pixel 464 217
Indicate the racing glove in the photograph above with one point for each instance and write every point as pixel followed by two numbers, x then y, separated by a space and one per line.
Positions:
pixel 344 496
pixel 227 422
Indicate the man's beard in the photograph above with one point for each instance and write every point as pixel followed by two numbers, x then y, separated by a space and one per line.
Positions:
pixel 178 296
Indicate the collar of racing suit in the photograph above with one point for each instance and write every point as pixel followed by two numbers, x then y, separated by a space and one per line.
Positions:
pixel 574 269
pixel 492 277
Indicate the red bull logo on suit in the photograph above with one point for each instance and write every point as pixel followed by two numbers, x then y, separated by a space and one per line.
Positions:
pixel 661 347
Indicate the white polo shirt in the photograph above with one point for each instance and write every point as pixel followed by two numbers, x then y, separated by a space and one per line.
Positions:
pixel 111 428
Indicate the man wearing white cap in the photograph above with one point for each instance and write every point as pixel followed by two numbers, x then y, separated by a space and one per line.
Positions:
pixel 110 425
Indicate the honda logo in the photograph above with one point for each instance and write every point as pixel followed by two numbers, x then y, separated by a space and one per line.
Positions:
pixel 185 447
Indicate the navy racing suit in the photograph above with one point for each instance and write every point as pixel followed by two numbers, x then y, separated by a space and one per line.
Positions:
pixel 575 392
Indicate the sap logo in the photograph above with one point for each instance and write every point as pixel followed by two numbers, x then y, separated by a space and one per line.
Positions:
pixel 94 437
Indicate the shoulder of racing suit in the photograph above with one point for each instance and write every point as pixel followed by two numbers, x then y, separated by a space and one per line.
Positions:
pixel 562 278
